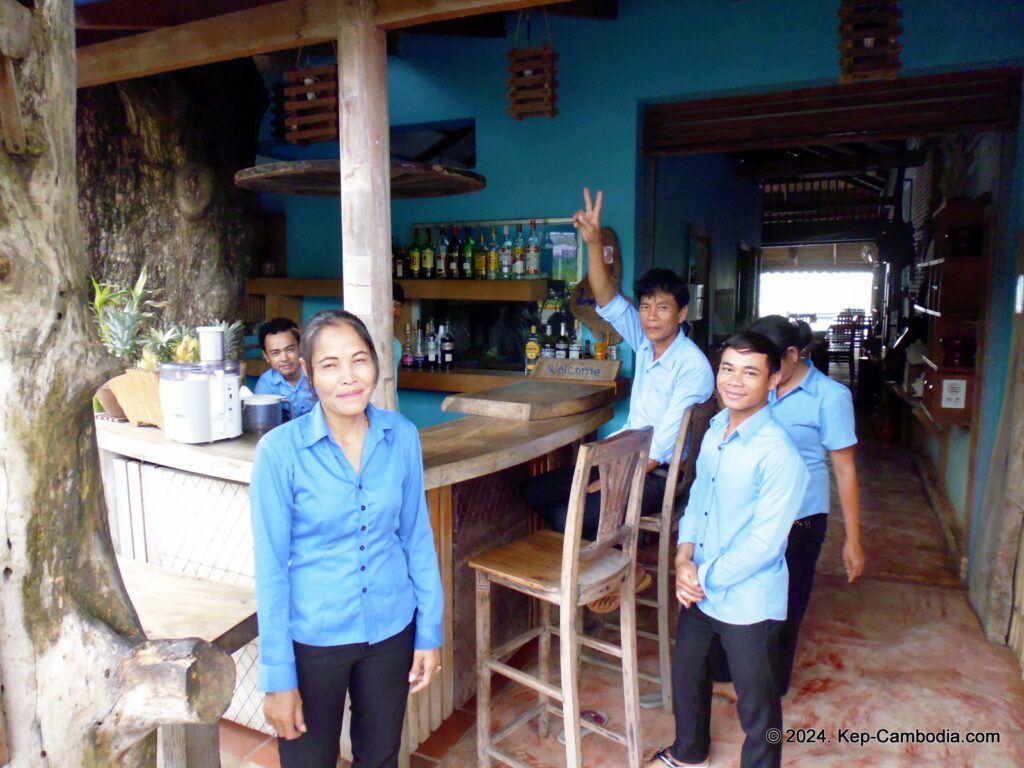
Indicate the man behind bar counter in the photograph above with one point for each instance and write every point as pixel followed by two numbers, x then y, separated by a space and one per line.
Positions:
pixel 670 375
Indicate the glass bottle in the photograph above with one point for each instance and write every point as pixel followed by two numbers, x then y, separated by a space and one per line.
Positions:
pixel 431 345
pixel 493 257
pixel 518 254
pixel 441 255
pixel 533 251
pixel 562 344
pixel 575 351
pixel 505 256
pixel 427 257
pixel 399 270
pixel 587 354
pixel 447 347
pixel 419 355
pixel 467 255
pixel 454 253
pixel 532 349
pixel 547 348
pixel 407 348
pixel 414 254
pixel 480 258
pixel 613 351
pixel 601 348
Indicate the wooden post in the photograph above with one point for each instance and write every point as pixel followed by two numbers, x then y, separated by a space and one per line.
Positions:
pixel 366 181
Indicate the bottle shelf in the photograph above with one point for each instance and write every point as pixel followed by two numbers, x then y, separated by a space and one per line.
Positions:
pixel 453 290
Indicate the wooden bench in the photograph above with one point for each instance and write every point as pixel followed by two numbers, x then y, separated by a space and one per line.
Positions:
pixel 175 605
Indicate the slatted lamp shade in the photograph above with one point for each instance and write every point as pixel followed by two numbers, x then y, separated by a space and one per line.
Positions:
pixel 869 40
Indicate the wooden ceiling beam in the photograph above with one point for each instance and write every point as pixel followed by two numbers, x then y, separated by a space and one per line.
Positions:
pixel 121 16
pixel 831 167
pixel 275 27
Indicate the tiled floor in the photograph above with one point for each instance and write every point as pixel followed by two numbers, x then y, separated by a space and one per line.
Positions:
pixel 900 650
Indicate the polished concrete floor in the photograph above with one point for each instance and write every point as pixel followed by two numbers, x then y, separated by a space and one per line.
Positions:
pixel 899 652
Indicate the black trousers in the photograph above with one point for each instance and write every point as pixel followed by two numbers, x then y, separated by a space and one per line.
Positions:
pixel 377 676
pixel 752 651
pixel 548 496
pixel 806 538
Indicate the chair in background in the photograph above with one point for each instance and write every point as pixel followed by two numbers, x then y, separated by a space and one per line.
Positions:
pixel 678 479
pixel 565 572
pixel 841 341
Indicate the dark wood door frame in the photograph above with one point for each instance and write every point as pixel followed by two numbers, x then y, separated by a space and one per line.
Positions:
pixel 881 110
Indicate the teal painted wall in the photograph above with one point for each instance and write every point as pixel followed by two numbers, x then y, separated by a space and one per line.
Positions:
pixel 657 50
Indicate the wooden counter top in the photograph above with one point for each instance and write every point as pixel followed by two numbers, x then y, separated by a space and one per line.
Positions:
pixel 452 452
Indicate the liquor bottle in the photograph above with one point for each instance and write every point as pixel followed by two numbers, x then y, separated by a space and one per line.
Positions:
pixel 427 257
pixel 601 348
pixel 480 258
pixel 467 255
pixel 414 254
pixel 431 346
pixel 399 270
pixel 505 256
pixel 419 355
pixel 407 348
pixel 441 255
pixel 454 254
pixel 574 345
pixel 547 347
pixel 518 254
pixel 613 351
pixel 533 251
pixel 447 347
pixel 493 257
pixel 587 354
pixel 562 344
pixel 532 349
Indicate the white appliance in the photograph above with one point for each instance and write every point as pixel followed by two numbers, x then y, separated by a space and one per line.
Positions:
pixel 200 401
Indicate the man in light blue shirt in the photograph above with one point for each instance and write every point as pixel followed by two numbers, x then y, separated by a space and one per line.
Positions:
pixel 279 340
pixel 731 575
pixel 671 374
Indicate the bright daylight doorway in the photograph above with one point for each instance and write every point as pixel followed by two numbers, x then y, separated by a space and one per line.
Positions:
pixel 817 282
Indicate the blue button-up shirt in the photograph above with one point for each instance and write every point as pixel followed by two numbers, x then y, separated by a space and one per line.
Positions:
pixel 743 502
pixel 300 398
pixel 662 388
pixel 818 415
pixel 341 556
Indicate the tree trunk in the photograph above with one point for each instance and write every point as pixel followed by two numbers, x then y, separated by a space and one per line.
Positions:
pixel 156 165
pixel 74 663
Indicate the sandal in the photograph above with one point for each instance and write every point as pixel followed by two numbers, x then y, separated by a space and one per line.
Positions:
pixel 610 603
pixel 592 715
pixel 667 758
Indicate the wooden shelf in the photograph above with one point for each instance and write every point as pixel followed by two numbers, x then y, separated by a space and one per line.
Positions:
pixel 947 369
pixel 453 290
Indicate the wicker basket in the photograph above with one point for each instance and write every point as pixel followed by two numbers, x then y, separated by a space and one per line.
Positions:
pixel 138 393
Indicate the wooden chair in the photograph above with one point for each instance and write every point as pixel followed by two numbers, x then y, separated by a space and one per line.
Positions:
pixel 560 570
pixel 841 341
pixel 678 479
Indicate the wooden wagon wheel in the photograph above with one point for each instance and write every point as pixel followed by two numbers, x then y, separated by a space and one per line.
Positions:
pixel 322 177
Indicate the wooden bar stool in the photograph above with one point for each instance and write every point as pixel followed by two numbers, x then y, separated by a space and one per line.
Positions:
pixel 559 570
pixel 678 479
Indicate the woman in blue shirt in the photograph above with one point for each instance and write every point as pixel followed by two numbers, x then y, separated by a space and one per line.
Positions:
pixel 348 590
pixel 817 412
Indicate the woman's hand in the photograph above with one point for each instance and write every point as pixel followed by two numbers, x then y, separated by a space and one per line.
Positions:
pixel 283 711
pixel 425 666
pixel 854 559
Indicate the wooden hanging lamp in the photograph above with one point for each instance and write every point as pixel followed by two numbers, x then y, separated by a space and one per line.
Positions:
pixel 532 77
pixel 869 40
pixel 306 105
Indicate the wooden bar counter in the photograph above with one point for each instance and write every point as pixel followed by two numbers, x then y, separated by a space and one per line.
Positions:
pixel 185 508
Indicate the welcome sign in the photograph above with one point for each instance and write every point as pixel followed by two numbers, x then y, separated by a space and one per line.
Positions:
pixel 594 371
